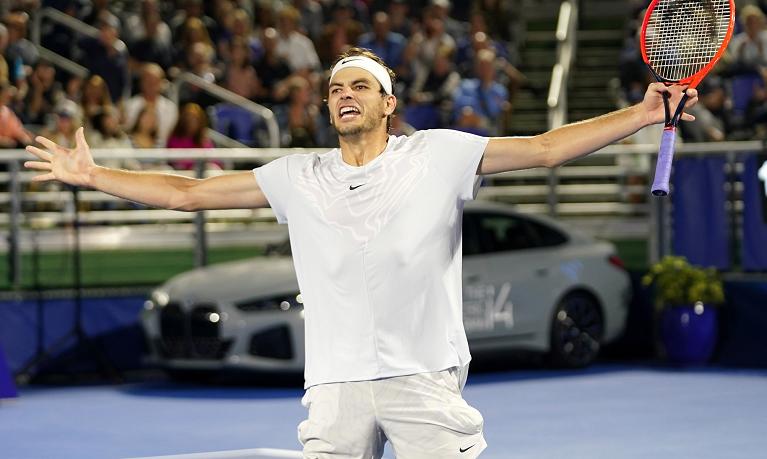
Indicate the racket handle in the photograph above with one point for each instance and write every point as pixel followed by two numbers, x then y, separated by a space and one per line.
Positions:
pixel 663 167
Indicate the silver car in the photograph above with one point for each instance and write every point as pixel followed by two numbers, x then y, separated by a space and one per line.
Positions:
pixel 529 284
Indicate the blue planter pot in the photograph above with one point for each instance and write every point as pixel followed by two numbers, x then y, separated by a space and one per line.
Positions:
pixel 689 333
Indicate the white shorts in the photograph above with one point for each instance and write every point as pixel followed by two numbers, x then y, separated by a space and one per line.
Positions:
pixel 422 415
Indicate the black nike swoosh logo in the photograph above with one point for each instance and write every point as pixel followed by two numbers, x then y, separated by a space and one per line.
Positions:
pixel 354 187
pixel 463 450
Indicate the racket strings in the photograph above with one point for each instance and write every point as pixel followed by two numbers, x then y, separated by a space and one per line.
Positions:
pixel 683 36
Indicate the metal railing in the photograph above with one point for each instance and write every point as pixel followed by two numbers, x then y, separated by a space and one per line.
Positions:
pixel 187 78
pixel 560 74
pixel 79 27
pixel 594 198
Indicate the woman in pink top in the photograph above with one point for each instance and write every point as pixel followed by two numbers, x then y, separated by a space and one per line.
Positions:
pixel 191 131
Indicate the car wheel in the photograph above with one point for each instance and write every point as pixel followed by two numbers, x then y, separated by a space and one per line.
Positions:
pixel 576 331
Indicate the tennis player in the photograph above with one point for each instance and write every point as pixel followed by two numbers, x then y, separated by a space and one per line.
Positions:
pixel 375 228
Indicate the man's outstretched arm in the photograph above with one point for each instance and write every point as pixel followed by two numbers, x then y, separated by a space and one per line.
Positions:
pixel 76 166
pixel 572 141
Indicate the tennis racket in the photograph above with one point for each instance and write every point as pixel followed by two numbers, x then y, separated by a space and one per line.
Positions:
pixel 681 41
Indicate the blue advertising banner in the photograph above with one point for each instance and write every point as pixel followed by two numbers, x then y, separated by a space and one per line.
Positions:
pixel 755 213
pixel 7 388
pixel 700 225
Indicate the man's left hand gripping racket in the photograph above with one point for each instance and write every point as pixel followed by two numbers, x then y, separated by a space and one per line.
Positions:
pixel 681 42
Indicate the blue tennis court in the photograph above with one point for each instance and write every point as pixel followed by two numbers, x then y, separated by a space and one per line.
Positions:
pixel 608 411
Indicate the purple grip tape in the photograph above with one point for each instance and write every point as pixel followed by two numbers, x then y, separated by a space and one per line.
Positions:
pixel 663 167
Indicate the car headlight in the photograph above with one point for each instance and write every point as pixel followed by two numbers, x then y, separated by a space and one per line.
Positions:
pixel 282 302
pixel 157 299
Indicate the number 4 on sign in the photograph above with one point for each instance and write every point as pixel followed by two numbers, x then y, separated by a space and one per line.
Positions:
pixel 763 176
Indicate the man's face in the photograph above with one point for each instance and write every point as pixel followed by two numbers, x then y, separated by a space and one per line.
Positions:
pixel 355 102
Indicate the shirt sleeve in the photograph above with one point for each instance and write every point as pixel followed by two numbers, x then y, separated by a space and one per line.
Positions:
pixel 273 179
pixel 457 155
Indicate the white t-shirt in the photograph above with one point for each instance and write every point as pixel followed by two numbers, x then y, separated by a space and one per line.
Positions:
pixel 377 252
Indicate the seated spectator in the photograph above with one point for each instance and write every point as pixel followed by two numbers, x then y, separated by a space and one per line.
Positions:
pixel 94 11
pixel 302 123
pixel 429 40
pixel 191 131
pixel 399 17
pixel 151 83
pixel 107 56
pixel 200 64
pixel 194 32
pixel 388 45
pixel 144 132
pixel 747 52
pixel 190 9
pixel 272 70
pixel 19 48
pixel 437 86
pixel 241 28
pixel 3 46
pixel 151 40
pixel 455 28
pixel 67 119
pixel 484 96
pixel 43 94
pixel 12 132
pixel 293 46
pixel 312 17
pixel 341 33
pixel 95 98
pixel 106 133
pixel 240 76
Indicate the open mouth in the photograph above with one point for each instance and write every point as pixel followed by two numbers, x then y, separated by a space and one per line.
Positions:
pixel 346 113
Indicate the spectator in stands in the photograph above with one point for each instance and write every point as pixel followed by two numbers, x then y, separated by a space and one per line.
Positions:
pixel 501 17
pixel 3 47
pixel 388 45
pixel 107 56
pixel 12 132
pixel 399 17
pixel 297 49
pixel 340 34
pixel 94 11
pixel 455 28
pixel 135 24
pixel 709 125
pixel 241 28
pixel 484 96
pixel 19 51
pixel 144 132
pixel 190 9
pixel 57 37
pixel 200 61
pixel 106 133
pixel 273 70
pixel 95 98
pixel 194 32
pixel 191 131
pixel 312 17
pixel 67 118
pixel 151 39
pixel 152 82
pixel 240 76
pixel 302 122
pixel 428 41
pixel 435 87
pixel 748 49
pixel 43 94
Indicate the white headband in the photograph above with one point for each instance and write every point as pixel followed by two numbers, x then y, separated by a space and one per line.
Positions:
pixel 365 63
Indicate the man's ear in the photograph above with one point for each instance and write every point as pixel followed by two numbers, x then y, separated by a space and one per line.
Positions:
pixel 391 104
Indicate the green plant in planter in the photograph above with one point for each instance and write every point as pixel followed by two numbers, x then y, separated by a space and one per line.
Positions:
pixel 677 283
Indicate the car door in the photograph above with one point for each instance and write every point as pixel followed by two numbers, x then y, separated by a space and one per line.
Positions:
pixel 506 276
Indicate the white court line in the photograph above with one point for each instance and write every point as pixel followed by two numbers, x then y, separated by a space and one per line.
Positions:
pixel 258 453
